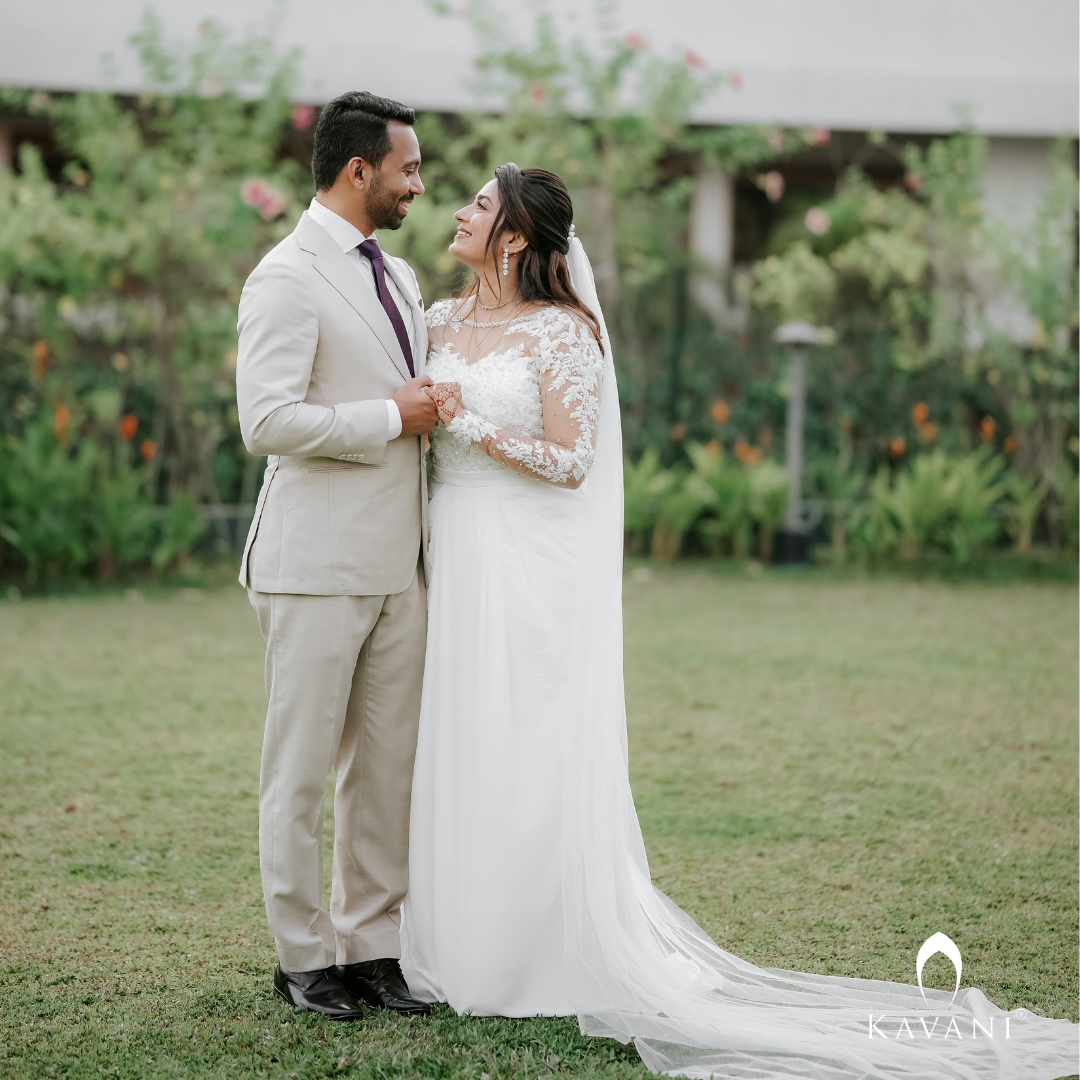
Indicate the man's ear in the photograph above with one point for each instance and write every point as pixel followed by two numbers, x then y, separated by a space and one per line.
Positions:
pixel 358 171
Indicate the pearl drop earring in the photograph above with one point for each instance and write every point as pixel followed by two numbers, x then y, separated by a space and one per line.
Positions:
pixel 506 262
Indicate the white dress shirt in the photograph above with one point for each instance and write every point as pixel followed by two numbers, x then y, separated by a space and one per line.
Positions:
pixel 349 238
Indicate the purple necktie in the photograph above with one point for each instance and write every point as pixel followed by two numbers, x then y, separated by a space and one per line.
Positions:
pixel 370 249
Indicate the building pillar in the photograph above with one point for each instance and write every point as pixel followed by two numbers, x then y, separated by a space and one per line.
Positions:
pixel 712 242
pixel 1016 179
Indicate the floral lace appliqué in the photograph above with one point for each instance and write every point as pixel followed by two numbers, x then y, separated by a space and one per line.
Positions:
pixel 532 404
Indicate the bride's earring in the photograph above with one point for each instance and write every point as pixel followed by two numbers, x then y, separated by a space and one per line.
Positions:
pixel 506 262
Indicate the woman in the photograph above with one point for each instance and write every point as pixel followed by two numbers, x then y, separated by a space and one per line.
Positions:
pixel 529 888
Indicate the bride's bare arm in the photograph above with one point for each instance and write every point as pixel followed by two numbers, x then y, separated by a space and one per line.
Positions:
pixel 570 378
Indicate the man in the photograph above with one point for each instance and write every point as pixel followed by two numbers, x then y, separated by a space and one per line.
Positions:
pixel 329 383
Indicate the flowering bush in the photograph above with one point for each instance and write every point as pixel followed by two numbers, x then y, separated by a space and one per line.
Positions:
pixel 118 291
pixel 923 294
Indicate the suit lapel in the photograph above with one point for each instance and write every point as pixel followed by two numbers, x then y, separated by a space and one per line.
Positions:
pixel 333 264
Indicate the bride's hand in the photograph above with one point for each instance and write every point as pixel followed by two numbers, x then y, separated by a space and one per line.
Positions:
pixel 447 398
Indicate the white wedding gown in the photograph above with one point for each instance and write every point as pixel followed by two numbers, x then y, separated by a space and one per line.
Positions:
pixel 529 888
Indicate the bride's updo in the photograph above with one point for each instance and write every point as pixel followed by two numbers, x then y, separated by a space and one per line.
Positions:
pixel 536 204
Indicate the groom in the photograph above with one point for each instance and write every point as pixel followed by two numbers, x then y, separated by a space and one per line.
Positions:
pixel 329 384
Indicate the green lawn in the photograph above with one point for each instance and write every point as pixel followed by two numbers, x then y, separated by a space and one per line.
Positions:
pixel 827 773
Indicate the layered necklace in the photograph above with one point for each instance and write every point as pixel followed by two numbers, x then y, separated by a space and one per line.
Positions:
pixel 474 325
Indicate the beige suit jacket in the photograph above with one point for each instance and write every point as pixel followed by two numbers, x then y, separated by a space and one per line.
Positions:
pixel 341 510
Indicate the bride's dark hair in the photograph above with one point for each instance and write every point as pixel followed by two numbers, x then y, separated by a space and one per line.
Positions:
pixel 536 204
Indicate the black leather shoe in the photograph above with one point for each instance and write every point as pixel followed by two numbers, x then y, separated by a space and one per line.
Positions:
pixel 379 984
pixel 318 992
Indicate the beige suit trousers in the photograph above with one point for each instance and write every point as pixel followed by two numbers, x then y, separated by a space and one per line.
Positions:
pixel 343 675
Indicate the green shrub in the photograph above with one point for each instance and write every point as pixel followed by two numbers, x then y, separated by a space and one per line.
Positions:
pixel 937 503
pixel 841 486
pixel 1024 498
pixel 975 487
pixel 768 503
pixel 728 532
pixel 45 499
pixel 123 521
pixel 641 506
pixel 181 527
pixel 1067 490
pixel 682 498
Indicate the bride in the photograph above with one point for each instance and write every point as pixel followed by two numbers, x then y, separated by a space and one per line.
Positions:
pixel 529 888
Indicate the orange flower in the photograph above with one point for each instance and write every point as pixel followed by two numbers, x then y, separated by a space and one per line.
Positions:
pixel 61 419
pixel 735 80
pixel 928 432
pixel 896 447
pixel 721 411
pixel 1012 444
pixel 921 413
pixel 742 450
pixel 712 448
pixel 148 449
pixel 754 456
pixel 694 59
pixel 678 432
pixel 128 426
pixel 986 428
pixel 41 358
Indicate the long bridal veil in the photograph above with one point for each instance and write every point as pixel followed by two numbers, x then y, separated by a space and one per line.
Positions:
pixel 640 969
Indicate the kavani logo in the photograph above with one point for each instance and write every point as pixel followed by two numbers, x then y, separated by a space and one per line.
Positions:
pixel 899 1028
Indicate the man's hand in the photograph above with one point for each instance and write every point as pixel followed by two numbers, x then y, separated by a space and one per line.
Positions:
pixel 418 413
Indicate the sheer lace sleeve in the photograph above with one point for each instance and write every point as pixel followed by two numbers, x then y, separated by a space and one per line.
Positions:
pixel 571 369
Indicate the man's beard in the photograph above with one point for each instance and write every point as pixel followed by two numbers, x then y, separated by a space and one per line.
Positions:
pixel 382 206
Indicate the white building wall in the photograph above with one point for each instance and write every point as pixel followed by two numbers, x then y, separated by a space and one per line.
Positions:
pixel 848 64
pixel 1018 175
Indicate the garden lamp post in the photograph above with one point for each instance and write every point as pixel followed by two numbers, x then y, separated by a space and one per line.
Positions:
pixel 798 336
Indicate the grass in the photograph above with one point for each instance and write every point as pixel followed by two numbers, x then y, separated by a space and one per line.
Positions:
pixel 826 773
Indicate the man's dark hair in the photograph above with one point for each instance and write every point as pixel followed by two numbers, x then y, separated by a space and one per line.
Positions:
pixel 355 124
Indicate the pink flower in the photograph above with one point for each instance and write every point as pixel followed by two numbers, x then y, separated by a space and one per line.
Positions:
pixel 773 185
pixel 820 136
pixel 302 116
pixel 694 59
pixel 912 183
pixel 538 95
pixel 633 40
pixel 257 193
pixel 735 80
pixel 817 221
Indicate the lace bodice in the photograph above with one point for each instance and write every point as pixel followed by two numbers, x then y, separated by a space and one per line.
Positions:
pixel 532 403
